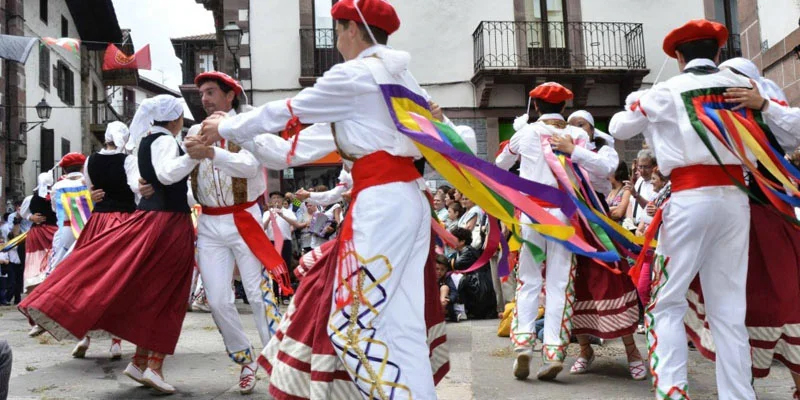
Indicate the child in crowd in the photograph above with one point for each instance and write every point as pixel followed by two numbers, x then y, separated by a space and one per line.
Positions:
pixel 448 293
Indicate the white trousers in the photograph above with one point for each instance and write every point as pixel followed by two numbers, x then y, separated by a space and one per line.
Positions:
pixel 559 289
pixel 704 231
pixel 385 350
pixel 220 248
pixel 62 243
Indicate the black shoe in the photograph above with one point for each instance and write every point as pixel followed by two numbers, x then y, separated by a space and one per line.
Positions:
pixel 4 304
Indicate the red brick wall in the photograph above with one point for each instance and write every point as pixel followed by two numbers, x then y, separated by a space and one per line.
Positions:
pixel 778 63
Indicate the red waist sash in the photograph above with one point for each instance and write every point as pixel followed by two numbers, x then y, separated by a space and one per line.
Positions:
pixel 697 176
pixel 256 241
pixel 380 168
pixel 687 178
pixel 375 169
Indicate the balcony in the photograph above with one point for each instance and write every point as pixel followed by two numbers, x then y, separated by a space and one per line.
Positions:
pixel 576 53
pixel 317 54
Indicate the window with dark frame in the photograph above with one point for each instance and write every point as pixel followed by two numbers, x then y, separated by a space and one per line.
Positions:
pixel 43 10
pixel 44 67
pixel 64 147
pixel 64 27
pixel 64 81
pixel 46 150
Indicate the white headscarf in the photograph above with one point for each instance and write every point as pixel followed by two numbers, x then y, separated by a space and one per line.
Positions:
pixel 159 108
pixel 44 182
pixel 468 136
pixel 117 133
pixel 767 87
pixel 590 119
pixel 582 114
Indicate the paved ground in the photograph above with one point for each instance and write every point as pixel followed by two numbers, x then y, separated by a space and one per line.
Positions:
pixel 481 363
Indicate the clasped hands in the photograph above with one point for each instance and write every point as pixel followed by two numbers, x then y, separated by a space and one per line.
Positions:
pixel 201 146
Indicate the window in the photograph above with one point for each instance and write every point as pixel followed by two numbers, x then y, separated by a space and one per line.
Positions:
pixel 64 147
pixel 243 15
pixel 44 66
pixel 43 11
pixel 205 62
pixel 128 103
pixel 64 81
pixel 322 14
pixel 64 27
pixel 46 150
pixel 246 38
pixel 244 61
pixel 95 104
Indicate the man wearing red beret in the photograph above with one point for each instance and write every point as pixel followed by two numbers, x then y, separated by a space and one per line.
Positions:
pixel 531 146
pixel 361 312
pixel 706 222
pixel 227 181
pixel 73 180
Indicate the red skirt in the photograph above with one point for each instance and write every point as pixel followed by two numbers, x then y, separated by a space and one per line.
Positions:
pixel 773 296
pixel 606 303
pixel 131 281
pixel 307 359
pixel 38 248
pixel 100 222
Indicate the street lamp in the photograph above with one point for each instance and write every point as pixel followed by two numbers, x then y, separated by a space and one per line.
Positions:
pixel 233 36
pixel 43 111
pixel 233 40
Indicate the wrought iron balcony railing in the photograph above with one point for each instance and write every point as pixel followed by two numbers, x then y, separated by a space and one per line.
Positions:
pixel 732 49
pixel 317 51
pixel 570 45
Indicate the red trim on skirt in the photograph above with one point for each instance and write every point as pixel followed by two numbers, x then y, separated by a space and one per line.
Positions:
pixel 773 277
pixel 131 281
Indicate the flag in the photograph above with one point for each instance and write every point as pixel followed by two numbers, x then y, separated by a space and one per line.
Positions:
pixel 116 59
pixel 69 44
pixel 16 48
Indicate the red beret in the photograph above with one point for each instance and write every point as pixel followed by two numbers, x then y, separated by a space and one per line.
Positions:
pixel 221 77
pixel 72 159
pixel 696 29
pixel 551 92
pixel 378 13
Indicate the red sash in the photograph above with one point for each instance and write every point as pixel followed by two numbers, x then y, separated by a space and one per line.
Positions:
pixel 686 178
pixel 257 241
pixel 375 169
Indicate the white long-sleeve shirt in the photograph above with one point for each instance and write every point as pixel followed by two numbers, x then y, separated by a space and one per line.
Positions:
pixel 214 177
pixel 131 172
pixel 599 165
pixel 334 195
pixel 169 164
pixel 784 122
pixel 346 95
pixel 526 146
pixel 664 120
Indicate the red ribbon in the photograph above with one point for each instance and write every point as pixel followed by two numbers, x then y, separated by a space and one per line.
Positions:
pixel 292 130
pixel 256 241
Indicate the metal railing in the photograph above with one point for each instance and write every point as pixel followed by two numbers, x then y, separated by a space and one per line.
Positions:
pixel 317 51
pixel 578 45
pixel 732 49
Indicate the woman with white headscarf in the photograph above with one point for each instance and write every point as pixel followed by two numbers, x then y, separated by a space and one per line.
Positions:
pixel 39 242
pixel 773 275
pixel 596 285
pixel 113 176
pixel 132 280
